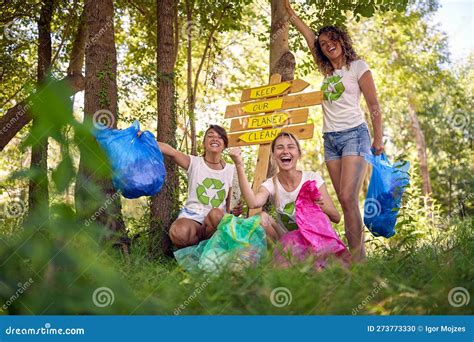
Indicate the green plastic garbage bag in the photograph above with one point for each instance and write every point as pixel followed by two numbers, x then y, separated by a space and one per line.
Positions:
pixel 237 243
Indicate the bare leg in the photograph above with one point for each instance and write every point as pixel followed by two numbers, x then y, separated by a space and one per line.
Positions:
pixel 211 222
pixel 185 232
pixel 352 175
pixel 347 176
pixel 273 231
pixel 334 168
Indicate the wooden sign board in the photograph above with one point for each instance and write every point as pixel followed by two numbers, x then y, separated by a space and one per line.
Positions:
pixel 294 86
pixel 250 129
pixel 269 120
pixel 266 136
pixel 285 102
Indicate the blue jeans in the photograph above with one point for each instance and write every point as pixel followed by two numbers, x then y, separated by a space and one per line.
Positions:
pixel 350 142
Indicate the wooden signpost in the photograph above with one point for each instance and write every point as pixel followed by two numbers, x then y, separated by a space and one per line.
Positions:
pixel 264 112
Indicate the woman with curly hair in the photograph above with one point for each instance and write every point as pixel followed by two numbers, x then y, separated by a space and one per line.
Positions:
pixel 345 132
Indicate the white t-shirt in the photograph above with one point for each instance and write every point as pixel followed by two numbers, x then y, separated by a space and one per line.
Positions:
pixel 341 104
pixel 207 189
pixel 286 207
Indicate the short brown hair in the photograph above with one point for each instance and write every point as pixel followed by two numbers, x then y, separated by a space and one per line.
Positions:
pixel 219 130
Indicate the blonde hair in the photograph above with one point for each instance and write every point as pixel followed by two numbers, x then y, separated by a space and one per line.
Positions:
pixel 276 198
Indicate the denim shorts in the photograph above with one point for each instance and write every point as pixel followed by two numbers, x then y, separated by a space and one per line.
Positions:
pixel 189 214
pixel 350 142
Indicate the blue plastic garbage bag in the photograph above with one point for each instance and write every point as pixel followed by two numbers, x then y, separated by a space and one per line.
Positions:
pixel 386 187
pixel 137 163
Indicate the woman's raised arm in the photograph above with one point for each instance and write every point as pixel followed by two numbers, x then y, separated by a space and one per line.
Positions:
pixel 253 200
pixel 304 29
pixel 180 158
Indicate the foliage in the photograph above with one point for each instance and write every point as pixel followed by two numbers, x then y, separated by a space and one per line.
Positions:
pixel 64 263
pixel 410 289
pixel 68 261
pixel 408 57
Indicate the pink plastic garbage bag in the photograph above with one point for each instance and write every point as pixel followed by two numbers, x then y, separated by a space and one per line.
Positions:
pixel 315 236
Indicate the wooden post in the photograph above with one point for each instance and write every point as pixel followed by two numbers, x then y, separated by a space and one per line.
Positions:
pixel 263 158
pixel 264 112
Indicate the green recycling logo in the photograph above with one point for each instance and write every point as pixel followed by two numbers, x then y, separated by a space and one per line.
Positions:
pixel 333 88
pixel 286 218
pixel 211 191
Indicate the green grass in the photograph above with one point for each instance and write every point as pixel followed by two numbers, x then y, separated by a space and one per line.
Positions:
pixel 414 282
pixel 68 264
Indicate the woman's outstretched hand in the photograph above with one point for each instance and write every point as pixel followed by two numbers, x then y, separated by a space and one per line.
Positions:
pixel 236 155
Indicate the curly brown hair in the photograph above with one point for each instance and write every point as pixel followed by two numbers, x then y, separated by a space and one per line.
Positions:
pixel 337 34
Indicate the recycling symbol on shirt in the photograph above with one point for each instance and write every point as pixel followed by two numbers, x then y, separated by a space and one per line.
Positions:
pixel 211 191
pixel 333 88
pixel 286 218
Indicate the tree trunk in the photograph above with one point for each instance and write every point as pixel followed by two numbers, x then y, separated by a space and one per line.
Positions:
pixel 100 95
pixel 18 116
pixel 191 101
pixel 421 150
pixel 282 60
pixel 38 198
pixel 164 206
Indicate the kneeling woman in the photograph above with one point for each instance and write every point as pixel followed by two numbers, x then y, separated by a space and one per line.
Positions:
pixel 283 188
pixel 209 189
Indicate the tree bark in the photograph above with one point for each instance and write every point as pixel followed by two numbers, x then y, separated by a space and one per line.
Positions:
pixel 38 194
pixel 19 116
pixel 95 196
pixel 164 206
pixel 191 100
pixel 76 59
pixel 282 61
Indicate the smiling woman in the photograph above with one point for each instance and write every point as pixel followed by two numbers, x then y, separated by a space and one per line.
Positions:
pixel 283 188
pixel 346 134
pixel 209 189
